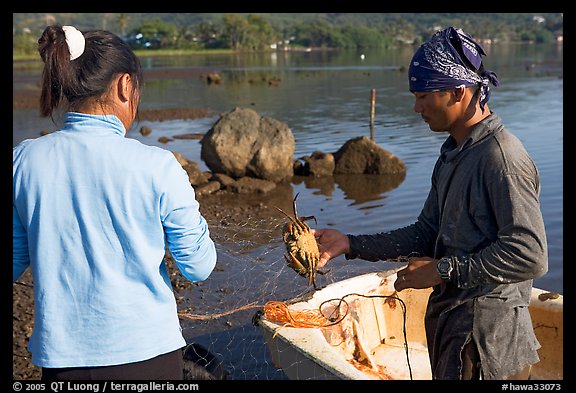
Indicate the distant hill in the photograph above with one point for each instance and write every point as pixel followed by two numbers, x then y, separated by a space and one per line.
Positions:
pixel 477 24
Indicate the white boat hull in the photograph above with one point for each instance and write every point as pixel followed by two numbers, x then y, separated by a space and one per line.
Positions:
pixel 370 342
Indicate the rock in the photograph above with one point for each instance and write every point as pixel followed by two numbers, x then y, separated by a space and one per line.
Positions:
pixel 196 176
pixel 145 130
pixel 319 164
pixel 225 180
pixel 243 143
pixel 274 81
pixel 208 188
pixel 192 135
pixel 248 185
pixel 298 168
pixel 362 155
pixel 180 158
pixel 213 78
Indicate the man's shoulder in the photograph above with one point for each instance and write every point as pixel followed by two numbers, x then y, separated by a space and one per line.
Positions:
pixel 498 136
pixel 504 152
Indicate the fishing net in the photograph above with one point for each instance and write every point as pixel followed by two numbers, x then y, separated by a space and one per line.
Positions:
pixel 252 279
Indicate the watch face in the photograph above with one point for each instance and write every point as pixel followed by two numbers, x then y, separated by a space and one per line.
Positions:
pixel 444 268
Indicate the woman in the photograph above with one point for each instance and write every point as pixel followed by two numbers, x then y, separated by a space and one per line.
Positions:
pixel 93 216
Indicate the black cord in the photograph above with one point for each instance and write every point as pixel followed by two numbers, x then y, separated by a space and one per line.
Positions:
pixel 335 317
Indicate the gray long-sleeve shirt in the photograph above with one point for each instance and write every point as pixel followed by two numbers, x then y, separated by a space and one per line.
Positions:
pixel 483 210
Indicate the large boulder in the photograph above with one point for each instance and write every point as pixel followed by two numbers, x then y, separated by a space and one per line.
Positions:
pixel 243 143
pixel 362 155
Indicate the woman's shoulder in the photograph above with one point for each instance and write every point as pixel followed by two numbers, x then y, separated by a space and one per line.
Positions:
pixel 155 158
pixel 22 148
pixel 146 150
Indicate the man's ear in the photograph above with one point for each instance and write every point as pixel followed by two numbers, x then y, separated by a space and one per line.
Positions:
pixel 459 93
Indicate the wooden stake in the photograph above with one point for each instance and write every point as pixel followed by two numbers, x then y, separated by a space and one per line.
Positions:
pixel 372 101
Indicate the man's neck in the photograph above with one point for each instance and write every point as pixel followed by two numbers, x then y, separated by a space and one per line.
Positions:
pixel 461 131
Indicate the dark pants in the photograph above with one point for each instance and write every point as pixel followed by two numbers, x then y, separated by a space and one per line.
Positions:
pixel 168 366
pixel 471 365
pixel 470 361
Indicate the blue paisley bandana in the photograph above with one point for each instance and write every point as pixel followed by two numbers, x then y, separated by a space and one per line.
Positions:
pixel 449 59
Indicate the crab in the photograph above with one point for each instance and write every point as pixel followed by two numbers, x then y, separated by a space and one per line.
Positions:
pixel 303 253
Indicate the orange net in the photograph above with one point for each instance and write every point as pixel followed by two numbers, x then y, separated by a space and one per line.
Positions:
pixel 279 312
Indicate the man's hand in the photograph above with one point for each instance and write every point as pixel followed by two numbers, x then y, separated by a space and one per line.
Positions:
pixel 420 273
pixel 331 244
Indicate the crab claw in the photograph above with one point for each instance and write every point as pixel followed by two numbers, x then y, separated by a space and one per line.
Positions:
pixel 287 232
pixel 296 265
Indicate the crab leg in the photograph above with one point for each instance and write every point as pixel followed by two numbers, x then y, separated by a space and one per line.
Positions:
pixel 300 219
pixel 295 212
pixel 312 275
pixel 289 217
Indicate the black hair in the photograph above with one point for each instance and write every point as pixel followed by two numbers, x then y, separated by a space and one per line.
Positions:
pixel 87 77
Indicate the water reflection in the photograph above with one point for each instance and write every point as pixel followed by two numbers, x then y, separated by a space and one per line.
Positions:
pixel 366 188
pixel 358 188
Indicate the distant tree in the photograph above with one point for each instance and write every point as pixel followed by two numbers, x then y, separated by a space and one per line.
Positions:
pixel 333 30
pixel 123 20
pixel 319 34
pixel 105 17
pixel 186 39
pixel 208 34
pixel 403 31
pixel 235 31
pixel 157 33
pixel 365 37
pixel 536 34
pixel 261 32
pixel 24 42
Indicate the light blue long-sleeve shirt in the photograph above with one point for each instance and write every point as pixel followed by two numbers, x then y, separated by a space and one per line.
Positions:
pixel 93 213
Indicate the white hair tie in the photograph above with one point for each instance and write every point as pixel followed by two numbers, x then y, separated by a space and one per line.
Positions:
pixel 75 40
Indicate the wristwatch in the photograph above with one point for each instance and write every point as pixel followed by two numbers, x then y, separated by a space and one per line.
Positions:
pixel 444 267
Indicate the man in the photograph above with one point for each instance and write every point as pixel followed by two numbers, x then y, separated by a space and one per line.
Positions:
pixel 480 238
